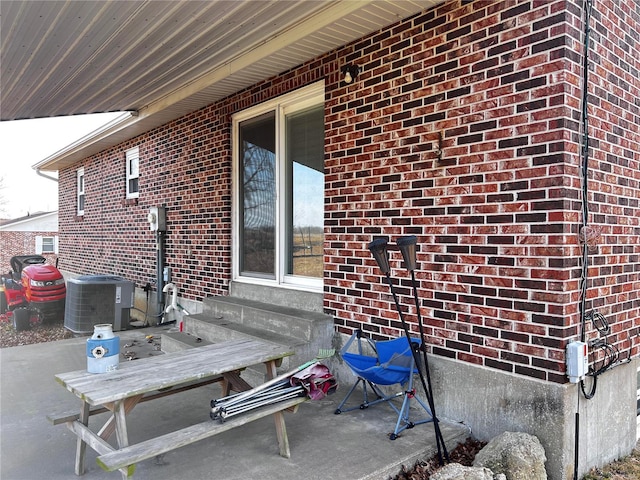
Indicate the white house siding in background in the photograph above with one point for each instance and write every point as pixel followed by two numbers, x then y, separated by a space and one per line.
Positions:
pixel 36 233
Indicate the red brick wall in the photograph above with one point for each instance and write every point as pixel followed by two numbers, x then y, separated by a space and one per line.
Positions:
pixel 497 216
pixel 185 166
pixel 21 243
pixel 614 179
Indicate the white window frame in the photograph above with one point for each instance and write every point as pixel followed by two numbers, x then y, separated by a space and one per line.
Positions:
pixel 300 99
pixel 638 404
pixel 133 156
pixel 80 187
pixel 40 243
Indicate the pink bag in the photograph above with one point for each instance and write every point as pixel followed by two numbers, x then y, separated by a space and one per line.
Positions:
pixel 317 381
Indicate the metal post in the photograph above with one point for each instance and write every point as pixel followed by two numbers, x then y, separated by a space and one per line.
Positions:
pixel 159 271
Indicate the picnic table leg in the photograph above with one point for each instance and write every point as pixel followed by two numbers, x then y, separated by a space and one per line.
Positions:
pixel 119 415
pixel 281 428
pixel 81 446
pixel 109 427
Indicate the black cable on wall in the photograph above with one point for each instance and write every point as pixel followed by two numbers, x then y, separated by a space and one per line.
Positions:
pixel 588 7
pixel 608 354
pixel 584 230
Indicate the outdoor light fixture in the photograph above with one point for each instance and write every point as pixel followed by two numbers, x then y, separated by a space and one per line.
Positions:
pixel 378 249
pixel 350 72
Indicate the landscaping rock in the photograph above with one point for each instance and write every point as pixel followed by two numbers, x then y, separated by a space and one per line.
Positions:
pixel 455 471
pixel 519 456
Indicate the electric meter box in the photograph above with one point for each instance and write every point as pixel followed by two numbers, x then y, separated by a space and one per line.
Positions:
pixel 577 361
pixel 157 219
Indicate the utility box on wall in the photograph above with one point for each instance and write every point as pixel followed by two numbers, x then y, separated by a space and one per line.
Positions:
pixel 96 299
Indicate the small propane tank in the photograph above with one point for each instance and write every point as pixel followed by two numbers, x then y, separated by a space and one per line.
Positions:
pixel 103 350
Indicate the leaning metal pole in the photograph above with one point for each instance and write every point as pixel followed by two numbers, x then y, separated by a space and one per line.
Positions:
pixel 378 248
pixel 407 246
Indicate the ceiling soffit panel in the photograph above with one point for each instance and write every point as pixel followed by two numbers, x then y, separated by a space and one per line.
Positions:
pixel 84 57
pixel 162 58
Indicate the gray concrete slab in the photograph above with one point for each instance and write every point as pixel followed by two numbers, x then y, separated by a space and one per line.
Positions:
pixel 352 445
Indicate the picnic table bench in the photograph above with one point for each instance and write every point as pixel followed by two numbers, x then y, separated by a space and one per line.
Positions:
pixel 146 379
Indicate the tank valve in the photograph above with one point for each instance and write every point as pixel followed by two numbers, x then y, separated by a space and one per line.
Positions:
pixel 99 352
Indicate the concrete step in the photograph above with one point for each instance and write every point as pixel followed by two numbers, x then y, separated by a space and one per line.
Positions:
pixel 177 341
pixel 220 330
pixel 302 324
pixel 215 329
pixel 228 318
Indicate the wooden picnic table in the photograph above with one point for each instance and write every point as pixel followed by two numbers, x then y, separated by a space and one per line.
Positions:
pixel 145 379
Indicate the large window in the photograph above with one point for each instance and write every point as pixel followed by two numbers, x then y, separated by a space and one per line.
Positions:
pixel 280 190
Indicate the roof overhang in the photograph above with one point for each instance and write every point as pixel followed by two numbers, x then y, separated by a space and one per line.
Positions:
pixel 22 224
pixel 160 60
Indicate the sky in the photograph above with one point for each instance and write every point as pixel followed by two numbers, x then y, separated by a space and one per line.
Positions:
pixel 23 143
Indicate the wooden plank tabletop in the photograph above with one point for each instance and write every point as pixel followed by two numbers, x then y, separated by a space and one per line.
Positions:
pixel 163 371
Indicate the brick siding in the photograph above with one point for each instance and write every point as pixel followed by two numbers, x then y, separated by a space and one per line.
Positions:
pixel 496 87
pixel 497 214
pixel 21 243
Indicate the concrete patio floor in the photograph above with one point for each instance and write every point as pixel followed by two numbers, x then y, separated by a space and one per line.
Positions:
pixel 351 446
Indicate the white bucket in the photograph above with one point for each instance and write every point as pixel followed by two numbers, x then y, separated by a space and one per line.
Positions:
pixel 103 350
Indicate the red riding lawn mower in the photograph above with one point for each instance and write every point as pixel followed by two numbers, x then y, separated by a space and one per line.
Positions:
pixel 34 292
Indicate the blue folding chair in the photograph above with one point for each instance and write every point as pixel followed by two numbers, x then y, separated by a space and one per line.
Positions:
pixel 387 362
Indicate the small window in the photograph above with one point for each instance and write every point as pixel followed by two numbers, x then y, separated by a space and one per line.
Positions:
pixel 80 191
pixel 133 174
pixel 46 244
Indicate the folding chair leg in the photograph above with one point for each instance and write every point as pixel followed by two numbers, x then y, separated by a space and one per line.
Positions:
pixel 404 421
pixel 353 387
pixel 365 402
pixel 380 397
